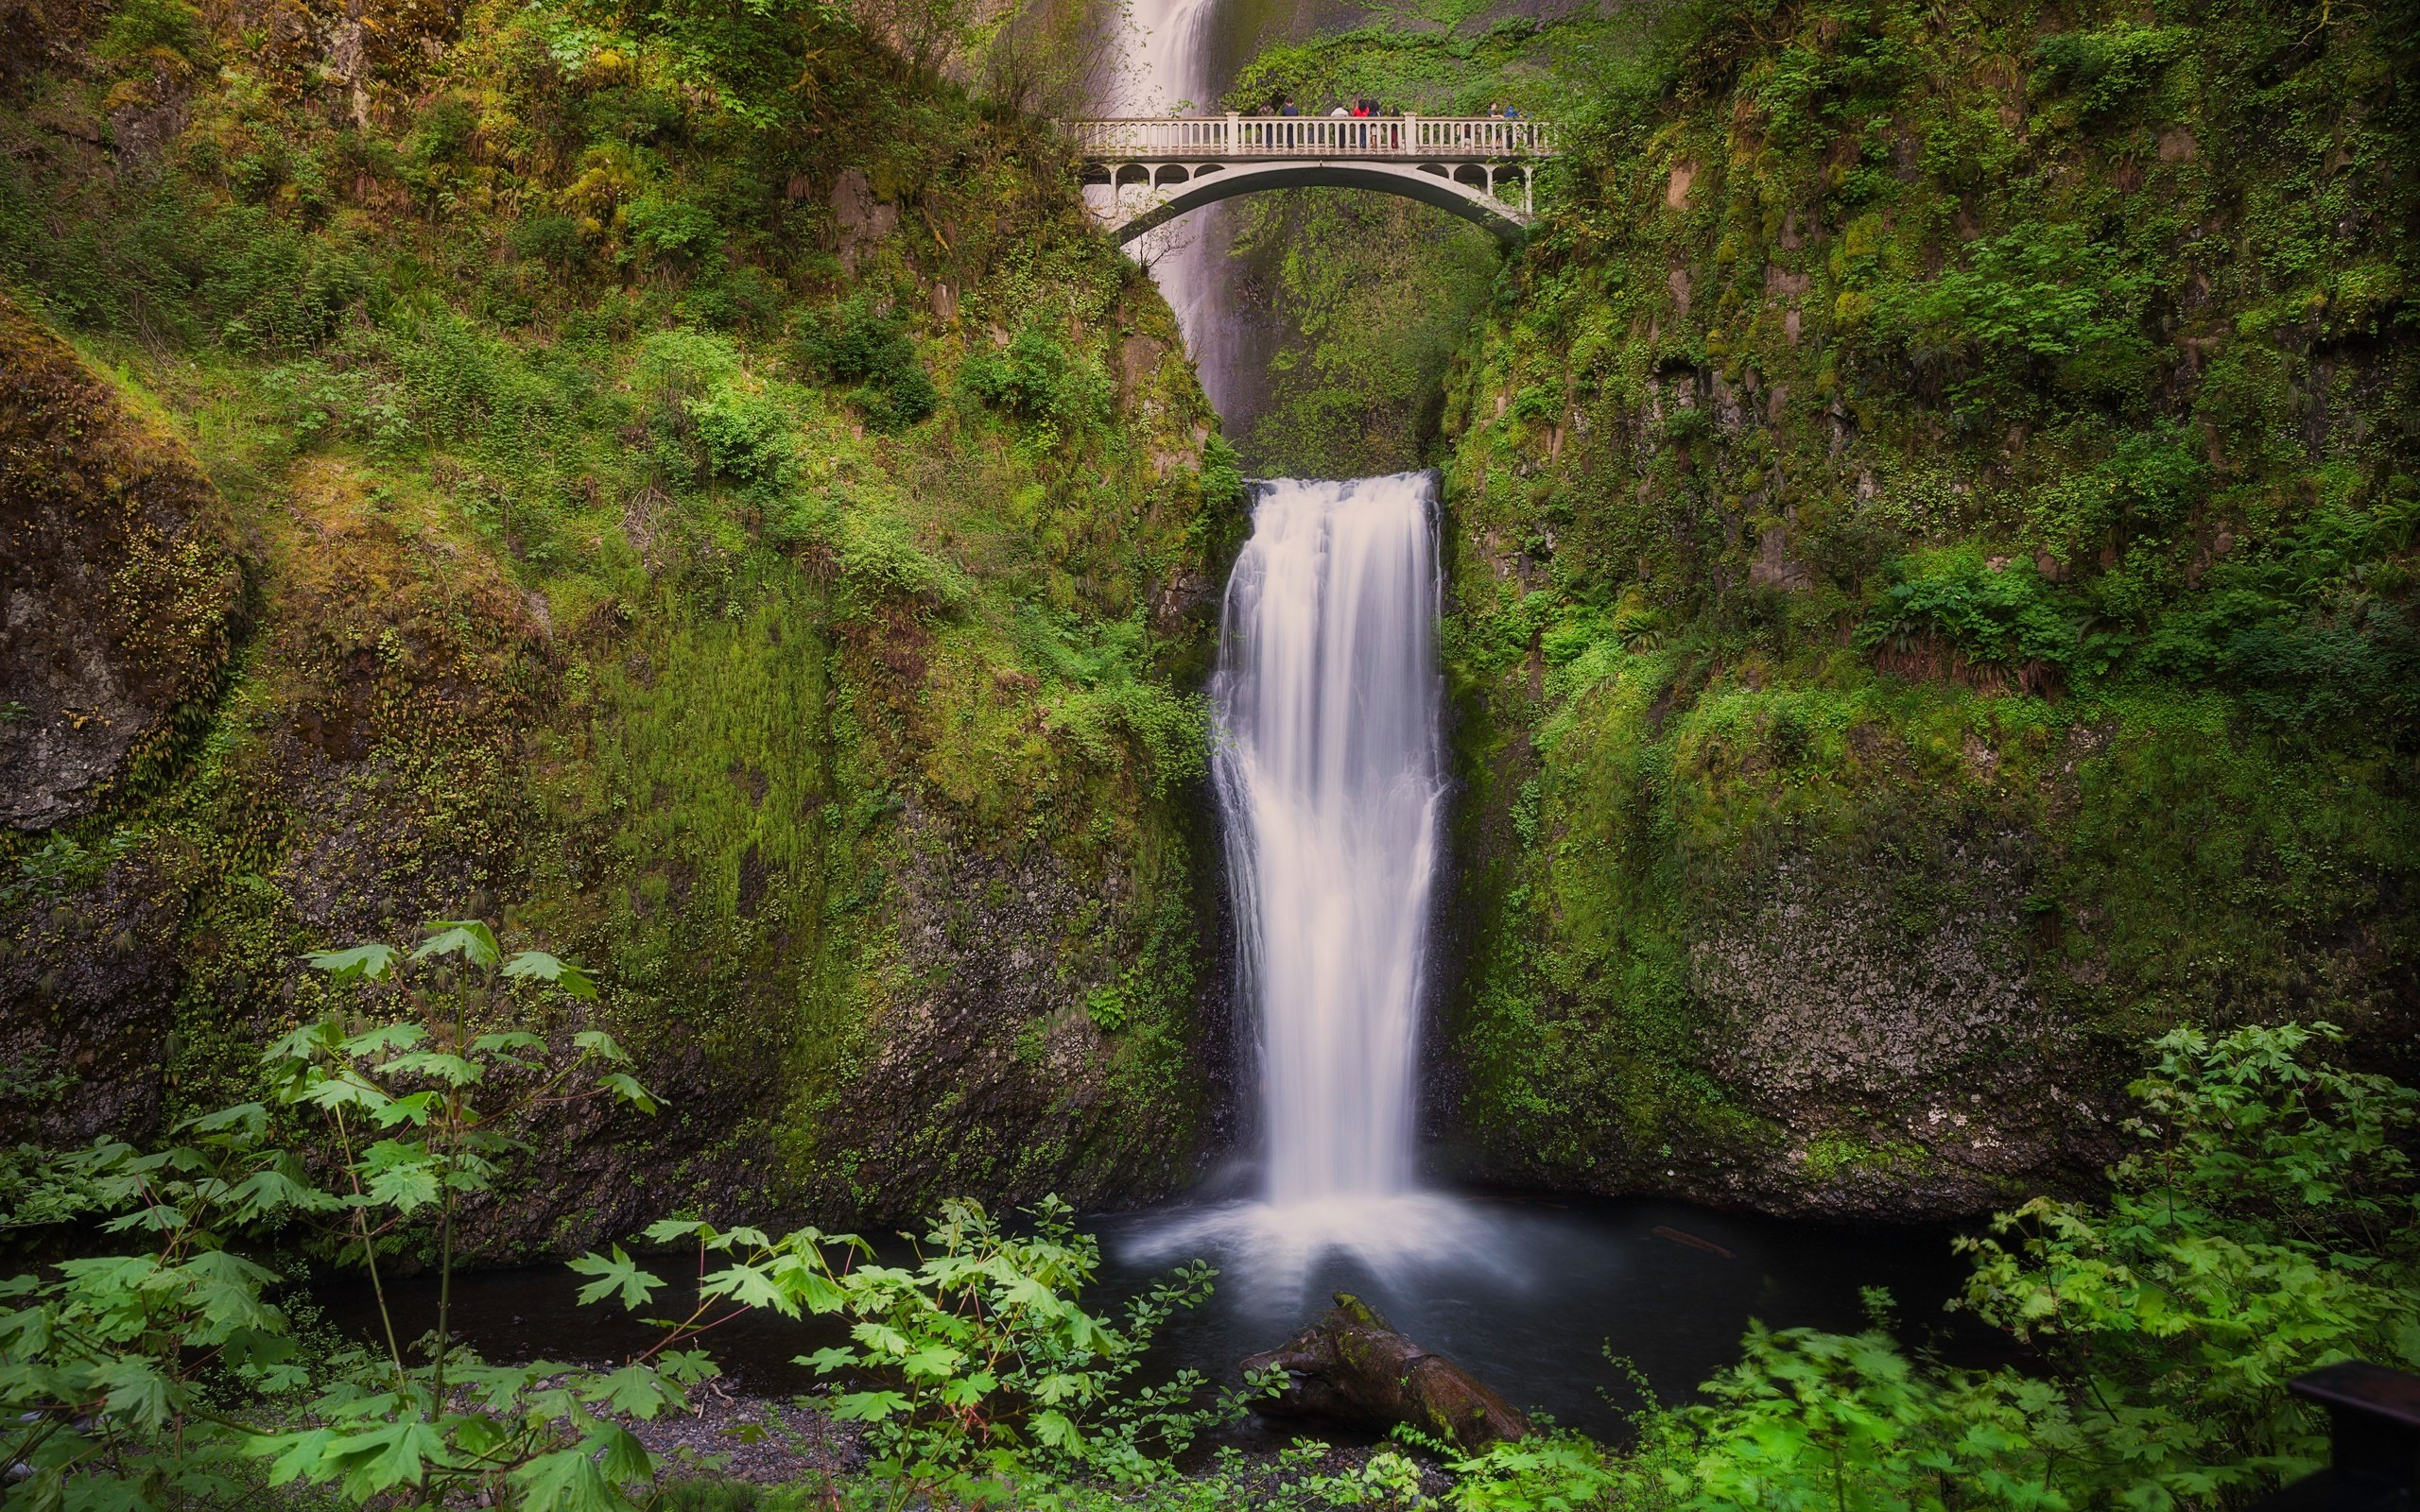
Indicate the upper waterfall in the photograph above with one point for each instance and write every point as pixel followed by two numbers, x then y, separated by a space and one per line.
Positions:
pixel 1330 781
pixel 1167 67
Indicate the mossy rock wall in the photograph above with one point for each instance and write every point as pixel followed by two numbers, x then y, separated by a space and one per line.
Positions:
pixel 766 563
pixel 1931 524
pixel 121 592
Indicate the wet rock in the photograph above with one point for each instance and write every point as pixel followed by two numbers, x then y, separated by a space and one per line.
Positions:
pixel 1350 1370
pixel 89 980
pixel 119 585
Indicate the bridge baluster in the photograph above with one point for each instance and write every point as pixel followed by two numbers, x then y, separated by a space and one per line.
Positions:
pixel 1153 166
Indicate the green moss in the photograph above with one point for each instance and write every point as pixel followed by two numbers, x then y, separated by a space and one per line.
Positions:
pixel 1937 499
pixel 591 601
pixel 1830 1159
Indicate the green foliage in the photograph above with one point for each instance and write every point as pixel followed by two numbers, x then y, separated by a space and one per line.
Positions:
pixel 1984 389
pixel 169 1375
pixel 142 28
pixel 674 227
pixel 574 576
pixel 1107 1007
pixel 982 1367
pixel 2041 301
pixel 2106 67
pixel 2266 1224
pixel 1039 383
pixel 59 867
pixel 1376 292
pixel 1809 1421
pixel 1999 613
pixel 865 344
pixel 1222 476
pixel 745 435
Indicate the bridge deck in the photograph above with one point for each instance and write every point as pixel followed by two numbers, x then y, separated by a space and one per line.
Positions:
pixel 1385 138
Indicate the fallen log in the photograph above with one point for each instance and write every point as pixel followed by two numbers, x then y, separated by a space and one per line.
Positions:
pixel 1350 1370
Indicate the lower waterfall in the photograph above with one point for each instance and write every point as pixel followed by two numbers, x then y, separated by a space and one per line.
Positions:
pixel 1330 787
pixel 1327 757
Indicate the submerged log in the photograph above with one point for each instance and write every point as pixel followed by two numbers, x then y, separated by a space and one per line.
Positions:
pixel 1350 1370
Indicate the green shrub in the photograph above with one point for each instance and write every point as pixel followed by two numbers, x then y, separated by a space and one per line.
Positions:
pixel 2004 615
pixel 142 28
pixel 2357 665
pixel 2265 1223
pixel 985 1369
pixel 2107 67
pixel 444 133
pixel 1036 381
pixel 863 343
pixel 2148 485
pixel 553 240
pixel 744 434
pixel 2042 301
pixel 168 1374
pixel 1222 475
pixel 1106 1006
pixel 674 227
pixel 271 287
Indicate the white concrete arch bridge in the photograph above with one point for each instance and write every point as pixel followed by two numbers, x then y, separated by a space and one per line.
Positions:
pixel 1140 172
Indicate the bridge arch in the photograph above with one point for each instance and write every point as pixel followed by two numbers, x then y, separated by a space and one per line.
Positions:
pixel 1155 169
pixel 1467 190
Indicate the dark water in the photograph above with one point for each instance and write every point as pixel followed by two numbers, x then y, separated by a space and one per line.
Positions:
pixel 1532 1295
pixel 1528 1293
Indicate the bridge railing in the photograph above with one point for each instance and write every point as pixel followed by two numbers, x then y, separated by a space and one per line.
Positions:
pixel 1323 136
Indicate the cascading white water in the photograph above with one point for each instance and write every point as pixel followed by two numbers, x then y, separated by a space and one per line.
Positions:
pixel 1328 763
pixel 1330 781
pixel 1330 786
pixel 1165 53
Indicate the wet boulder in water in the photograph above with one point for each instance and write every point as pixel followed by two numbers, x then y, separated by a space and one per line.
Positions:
pixel 1350 1370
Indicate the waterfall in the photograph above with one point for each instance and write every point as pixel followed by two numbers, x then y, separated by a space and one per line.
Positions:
pixel 1168 65
pixel 1330 783
pixel 1330 787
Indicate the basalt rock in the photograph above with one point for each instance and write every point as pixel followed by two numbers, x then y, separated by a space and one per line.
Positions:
pixel 119 585
pixel 1350 1370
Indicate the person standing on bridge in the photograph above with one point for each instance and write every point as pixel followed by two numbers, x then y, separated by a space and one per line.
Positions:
pixel 1286 108
pixel 1361 113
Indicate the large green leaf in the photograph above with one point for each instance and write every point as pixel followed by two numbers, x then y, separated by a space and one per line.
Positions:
pixel 624 1086
pixel 867 1406
pixel 390 1455
pixel 537 965
pixel 373 962
pixel 634 1390
pixel 296 1457
pixel 620 1274
pixel 466 938
pixel 620 1455
pixel 567 1481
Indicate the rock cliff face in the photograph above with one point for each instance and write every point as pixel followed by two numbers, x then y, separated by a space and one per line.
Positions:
pixel 119 599
pixel 768 566
pixel 1932 534
pixel 121 587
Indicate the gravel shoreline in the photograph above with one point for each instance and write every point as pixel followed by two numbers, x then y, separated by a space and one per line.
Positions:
pixel 731 1435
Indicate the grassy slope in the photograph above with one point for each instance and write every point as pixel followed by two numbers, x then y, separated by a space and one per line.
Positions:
pixel 1933 530
pixel 588 596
